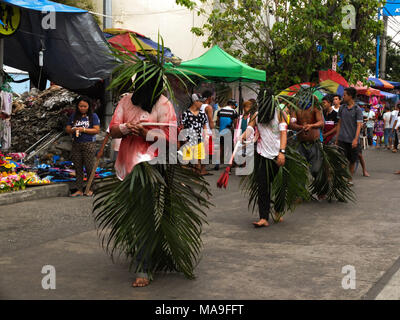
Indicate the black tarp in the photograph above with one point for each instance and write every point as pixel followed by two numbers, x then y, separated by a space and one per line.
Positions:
pixel 76 54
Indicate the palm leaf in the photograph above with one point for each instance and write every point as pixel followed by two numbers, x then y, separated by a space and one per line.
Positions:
pixel 289 184
pixel 333 177
pixel 154 216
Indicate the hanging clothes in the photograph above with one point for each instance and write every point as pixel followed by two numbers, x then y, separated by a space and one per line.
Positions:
pixel 6 103
pixel 5 134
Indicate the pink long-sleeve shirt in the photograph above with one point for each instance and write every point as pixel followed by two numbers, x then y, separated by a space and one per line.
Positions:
pixel 135 149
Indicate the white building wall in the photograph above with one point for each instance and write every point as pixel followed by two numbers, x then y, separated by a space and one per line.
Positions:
pixel 174 22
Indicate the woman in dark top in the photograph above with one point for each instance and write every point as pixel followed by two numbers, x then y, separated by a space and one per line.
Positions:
pixel 83 125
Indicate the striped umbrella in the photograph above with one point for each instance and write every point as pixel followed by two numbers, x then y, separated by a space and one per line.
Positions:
pixel 380 83
pixel 332 87
pixel 332 81
pixel 319 94
pixel 136 43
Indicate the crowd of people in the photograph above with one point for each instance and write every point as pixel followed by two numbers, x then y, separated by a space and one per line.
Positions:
pixel 339 121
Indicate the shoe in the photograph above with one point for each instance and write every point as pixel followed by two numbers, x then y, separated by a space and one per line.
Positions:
pixel 216 168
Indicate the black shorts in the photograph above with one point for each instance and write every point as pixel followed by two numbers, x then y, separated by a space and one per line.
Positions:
pixel 349 152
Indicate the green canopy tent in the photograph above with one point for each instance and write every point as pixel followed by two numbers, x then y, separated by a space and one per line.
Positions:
pixel 217 65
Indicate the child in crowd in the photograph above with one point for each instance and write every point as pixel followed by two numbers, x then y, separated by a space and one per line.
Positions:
pixel 379 130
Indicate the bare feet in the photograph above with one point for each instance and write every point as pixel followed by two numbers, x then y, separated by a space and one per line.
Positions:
pixel 89 194
pixel 77 194
pixel 261 223
pixel 277 217
pixel 365 174
pixel 397 172
pixel 141 282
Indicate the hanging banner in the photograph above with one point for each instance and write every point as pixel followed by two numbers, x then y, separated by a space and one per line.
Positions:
pixel 334 62
pixel 10 18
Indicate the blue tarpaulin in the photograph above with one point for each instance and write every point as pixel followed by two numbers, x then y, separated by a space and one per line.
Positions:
pixel 76 54
pixel 389 96
pixel 392 8
pixel 39 5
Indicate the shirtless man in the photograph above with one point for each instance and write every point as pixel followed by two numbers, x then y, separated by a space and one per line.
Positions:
pixel 307 122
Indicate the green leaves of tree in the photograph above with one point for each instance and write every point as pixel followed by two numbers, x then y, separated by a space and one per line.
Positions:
pixel 281 36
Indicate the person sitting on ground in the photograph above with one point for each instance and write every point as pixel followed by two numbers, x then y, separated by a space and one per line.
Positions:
pixel 83 125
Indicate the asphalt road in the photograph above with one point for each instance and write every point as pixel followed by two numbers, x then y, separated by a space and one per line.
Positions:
pixel 301 258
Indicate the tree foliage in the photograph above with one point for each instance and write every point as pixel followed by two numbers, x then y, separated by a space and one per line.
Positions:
pixel 293 39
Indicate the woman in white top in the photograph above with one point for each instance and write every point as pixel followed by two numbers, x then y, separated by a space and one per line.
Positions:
pixel 270 155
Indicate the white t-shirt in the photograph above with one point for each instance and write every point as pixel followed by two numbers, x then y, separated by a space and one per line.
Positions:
pixel 269 143
pixel 371 121
pixel 386 117
pixel 395 113
pixel 398 123
pixel 203 109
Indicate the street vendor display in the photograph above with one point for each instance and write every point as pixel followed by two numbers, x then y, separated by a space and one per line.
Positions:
pixel 10 180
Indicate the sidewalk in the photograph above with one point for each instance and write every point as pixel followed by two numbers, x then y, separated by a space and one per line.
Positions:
pixel 301 258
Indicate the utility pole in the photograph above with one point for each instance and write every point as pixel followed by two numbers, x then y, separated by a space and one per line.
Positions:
pixel 107 11
pixel 107 23
pixel 382 68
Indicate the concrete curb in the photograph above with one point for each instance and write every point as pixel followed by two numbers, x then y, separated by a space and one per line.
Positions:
pixel 35 193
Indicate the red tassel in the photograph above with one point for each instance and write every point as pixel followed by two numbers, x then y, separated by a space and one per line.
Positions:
pixel 223 179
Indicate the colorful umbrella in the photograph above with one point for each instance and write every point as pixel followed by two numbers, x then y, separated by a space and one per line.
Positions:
pixel 333 76
pixel 367 91
pixel 380 83
pixel 319 94
pixel 135 43
pixel 332 87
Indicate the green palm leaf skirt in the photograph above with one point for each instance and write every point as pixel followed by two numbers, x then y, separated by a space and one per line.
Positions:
pixel 333 177
pixel 289 184
pixel 154 217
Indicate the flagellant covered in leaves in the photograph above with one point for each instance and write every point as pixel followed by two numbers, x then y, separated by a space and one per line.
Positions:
pixel 153 214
